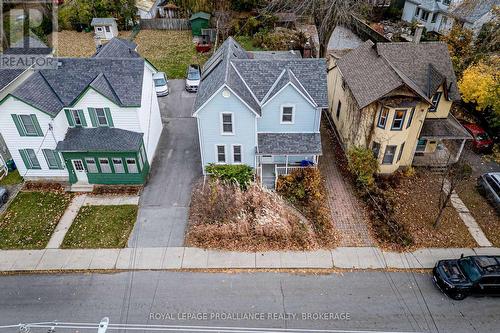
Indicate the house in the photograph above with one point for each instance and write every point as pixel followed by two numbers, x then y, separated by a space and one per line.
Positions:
pixel 435 15
pixel 395 99
pixel 90 121
pixel 262 109
pixel 147 9
pixel 105 28
pixel 199 21
pixel 473 14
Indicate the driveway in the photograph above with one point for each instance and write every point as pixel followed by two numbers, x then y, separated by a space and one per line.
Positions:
pixel 164 205
pixel 479 164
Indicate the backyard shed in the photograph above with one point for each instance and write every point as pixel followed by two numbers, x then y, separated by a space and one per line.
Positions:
pixel 199 20
pixel 105 28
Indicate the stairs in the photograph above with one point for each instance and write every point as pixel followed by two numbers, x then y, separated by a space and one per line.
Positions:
pixel 268 182
pixel 81 187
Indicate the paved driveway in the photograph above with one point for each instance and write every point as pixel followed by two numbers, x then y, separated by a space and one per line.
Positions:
pixel 164 205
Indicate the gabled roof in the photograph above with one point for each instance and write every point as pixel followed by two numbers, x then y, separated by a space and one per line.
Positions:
pixel 257 80
pixel 202 15
pixel 372 71
pixel 473 10
pixel 103 21
pixel 117 48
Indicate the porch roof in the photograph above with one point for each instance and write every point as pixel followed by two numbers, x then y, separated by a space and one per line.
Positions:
pixel 289 143
pixel 444 128
pixel 100 139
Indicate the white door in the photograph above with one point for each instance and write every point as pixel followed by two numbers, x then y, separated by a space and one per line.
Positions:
pixel 80 172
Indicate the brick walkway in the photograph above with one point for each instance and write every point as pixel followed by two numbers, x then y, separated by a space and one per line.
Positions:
pixel 348 213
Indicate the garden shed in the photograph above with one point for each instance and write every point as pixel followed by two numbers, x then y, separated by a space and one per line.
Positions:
pixel 199 20
pixel 105 28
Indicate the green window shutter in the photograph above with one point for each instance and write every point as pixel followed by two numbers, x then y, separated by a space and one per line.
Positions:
pixel 93 117
pixel 22 152
pixel 37 125
pixel 108 117
pixel 19 126
pixel 82 118
pixel 58 159
pixel 69 116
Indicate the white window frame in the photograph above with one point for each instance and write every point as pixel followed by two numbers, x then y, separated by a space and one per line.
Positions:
pixel 99 29
pixel 134 164
pixel 293 114
pixel 89 169
pixel 217 154
pixel 97 117
pixel 108 164
pixel 222 123
pixel 119 161
pixel 76 115
pixel 241 153
pixel 24 126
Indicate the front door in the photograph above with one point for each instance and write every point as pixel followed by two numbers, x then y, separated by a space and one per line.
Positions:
pixel 80 172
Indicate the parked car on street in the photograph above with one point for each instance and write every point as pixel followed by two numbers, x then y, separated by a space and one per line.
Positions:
pixel 471 275
pixel 193 78
pixel 482 141
pixel 161 84
pixel 489 186
pixel 4 196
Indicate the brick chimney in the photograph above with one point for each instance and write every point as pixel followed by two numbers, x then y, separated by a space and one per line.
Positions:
pixel 307 51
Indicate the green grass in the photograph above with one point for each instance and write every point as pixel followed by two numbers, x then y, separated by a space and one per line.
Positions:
pixel 31 218
pixel 12 178
pixel 101 227
pixel 169 51
pixel 247 43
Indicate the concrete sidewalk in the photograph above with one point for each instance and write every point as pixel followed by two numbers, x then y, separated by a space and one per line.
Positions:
pixel 158 258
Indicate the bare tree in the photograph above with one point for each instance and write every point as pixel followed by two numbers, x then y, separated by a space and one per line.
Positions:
pixel 327 14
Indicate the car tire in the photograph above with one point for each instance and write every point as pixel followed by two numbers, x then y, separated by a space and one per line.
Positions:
pixel 4 198
pixel 458 296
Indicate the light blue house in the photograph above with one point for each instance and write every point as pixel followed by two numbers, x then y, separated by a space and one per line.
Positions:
pixel 262 109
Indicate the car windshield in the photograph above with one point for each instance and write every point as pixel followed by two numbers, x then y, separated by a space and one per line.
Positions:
pixel 160 82
pixel 470 269
pixel 482 137
pixel 193 74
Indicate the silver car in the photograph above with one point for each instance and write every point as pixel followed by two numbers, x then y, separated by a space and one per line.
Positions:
pixel 4 196
pixel 489 185
pixel 161 84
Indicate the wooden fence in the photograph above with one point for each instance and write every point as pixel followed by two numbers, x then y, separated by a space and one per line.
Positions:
pixel 165 24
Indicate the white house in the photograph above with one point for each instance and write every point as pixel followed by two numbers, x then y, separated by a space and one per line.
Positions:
pixel 90 121
pixel 435 15
pixel 105 28
pixel 473 15
pixel 147 9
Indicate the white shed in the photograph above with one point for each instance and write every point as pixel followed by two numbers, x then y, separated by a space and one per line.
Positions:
pixel 105 28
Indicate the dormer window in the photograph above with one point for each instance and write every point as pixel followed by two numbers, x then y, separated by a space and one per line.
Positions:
pixel 435 101
pixel 287 114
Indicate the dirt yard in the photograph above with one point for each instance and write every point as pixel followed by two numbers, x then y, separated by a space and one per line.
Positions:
pixel 74 44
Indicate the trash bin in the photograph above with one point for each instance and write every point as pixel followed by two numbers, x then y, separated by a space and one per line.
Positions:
pixel 11 165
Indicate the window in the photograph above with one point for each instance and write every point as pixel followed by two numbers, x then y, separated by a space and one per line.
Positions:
pixel 29 158
pixel 52 159
pixel 221 154
pixel 227 123
pixel 338 109
pixel 376 149
pixel 91 165
pixel 433 17
pixel 401 151
pixel 76 117
pixel 131 165
pixel 118 165
pixel 435 102
pixel 389 154
pixel 382 118
pixel 99 29
pixel 143 155
pixel 141 161
pixel 105 167
pixel 399 119
pixel 411 117
pixel 287 115
pixel 102 120
pixel 343 84
pixel 417 12
pixel 107 28
pixel 237 154
pixel 424 16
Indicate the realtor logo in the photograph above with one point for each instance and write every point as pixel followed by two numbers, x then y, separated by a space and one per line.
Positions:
pixel 29 33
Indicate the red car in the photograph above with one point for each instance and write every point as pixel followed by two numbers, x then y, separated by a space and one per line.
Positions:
pixel 481 141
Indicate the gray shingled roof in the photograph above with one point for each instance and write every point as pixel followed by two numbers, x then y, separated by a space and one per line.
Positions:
pixel 8 75
pixel 100 139
pixel 117 48
pixel 252 78
pixel 275 55
pixel 50 90
pixel 448 128
pixel 473 10
pixel 289 143
pixel 372 71
pixel 102 21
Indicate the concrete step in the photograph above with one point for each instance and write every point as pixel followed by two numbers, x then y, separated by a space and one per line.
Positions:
pixel 81 188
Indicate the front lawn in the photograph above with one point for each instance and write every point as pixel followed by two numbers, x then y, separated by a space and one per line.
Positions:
pixel 31 218
pixel 12 178
pixel 169 51
pixel 101 227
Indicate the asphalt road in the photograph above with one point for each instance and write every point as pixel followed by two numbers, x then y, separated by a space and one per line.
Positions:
pixel 373 301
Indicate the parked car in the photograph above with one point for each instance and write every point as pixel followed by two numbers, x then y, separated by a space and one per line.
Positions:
pixel 193 78
pixel 4 196
pixel 471 275
pixel 161 84
pixel 489 186
pixel 482 141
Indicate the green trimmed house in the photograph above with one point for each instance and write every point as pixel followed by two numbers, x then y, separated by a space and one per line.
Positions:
pixel 90 121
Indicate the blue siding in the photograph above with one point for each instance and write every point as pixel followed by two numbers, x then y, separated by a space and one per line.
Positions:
pixel 306 117
pixel 210 129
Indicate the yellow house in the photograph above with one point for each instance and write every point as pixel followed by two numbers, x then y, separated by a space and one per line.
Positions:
pixel 395 99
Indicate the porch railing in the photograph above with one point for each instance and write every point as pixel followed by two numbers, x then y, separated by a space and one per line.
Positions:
pixel 286 170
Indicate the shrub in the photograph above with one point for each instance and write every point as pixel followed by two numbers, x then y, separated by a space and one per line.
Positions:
pixel 363 164
pixel 240 174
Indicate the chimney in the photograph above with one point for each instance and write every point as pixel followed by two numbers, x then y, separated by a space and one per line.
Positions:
pixel 307 51
pixel 418 33
pixel 97 42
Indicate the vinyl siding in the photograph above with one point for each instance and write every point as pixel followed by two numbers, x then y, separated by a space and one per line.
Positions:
pixel 306 116
pixel 210 129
